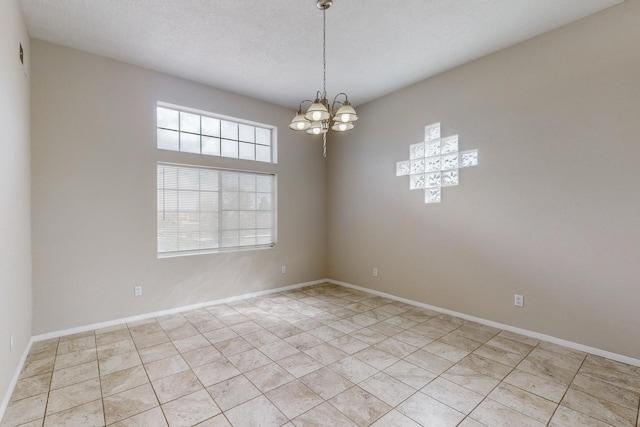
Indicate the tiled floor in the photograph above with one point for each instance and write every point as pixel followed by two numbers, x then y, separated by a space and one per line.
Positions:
pixel 318 356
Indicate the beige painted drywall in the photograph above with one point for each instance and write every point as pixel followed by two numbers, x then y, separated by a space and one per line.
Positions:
pixel 552 212
pixel 15 184
pixel 94 196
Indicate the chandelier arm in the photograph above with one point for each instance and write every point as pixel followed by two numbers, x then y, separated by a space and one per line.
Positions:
pixel 335 100
pixel 302 102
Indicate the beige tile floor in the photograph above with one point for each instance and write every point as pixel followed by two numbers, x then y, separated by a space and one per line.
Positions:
pixel 318 356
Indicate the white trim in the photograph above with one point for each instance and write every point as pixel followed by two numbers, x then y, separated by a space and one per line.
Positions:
pixel 570 344
pixel 274 129
pixel 94 326
pixel 14 380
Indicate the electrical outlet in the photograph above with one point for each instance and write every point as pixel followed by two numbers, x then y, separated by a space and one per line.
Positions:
pixel 137 291
pixel 283 269
pixel 518 300
pixel 375 272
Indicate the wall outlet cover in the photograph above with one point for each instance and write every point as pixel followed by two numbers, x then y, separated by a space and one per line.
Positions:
pixel 518 300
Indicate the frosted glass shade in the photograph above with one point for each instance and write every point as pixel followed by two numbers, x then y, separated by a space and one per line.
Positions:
pixel 299 122
pixel 345 113
pixel 342 127
pixel 316 128
pixel 317 112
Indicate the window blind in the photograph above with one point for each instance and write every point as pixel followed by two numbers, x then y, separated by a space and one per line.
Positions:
pixel 209 209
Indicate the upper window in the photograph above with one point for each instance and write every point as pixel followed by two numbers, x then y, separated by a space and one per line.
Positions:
pixel 185 130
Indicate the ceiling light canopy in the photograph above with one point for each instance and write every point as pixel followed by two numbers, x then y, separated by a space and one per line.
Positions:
pixel 320 116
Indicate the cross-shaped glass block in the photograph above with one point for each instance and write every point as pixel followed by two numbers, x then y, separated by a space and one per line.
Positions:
pixel 435 163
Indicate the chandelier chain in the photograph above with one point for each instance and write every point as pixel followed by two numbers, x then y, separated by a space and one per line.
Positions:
pixel 322 116
pixel 324 145
pixel 324 52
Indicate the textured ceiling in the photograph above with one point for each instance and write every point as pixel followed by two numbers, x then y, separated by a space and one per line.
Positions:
pixel 272 50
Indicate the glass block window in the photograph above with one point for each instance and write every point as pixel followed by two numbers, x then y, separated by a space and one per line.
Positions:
pixel 204 210
pixel 212 135
pixel 435 163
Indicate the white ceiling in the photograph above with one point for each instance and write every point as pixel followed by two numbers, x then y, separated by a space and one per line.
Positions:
pixel 272 50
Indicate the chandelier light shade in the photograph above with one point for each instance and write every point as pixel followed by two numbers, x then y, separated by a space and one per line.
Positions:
pixel 320 116
pixel 318 111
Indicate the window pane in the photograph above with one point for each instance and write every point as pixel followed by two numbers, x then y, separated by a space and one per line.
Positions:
pixel 168 140
pixel 264 237
pixel 189 122
pixel 229 130
pixel 230 181
pixel 188 241
pixel 210 146
pixel 263 183
pixel 210 126
pixel 263 153
pixel 230 220
pixel 247 220
pixel 263 220
pixel 208 180
pixel 247 201
pixel 188 201
pixel 247 182
pixel 263 136
pixel 203 134
pixel 167 177
pixel 188 222
pixel 209 222
pixel 188 178
pixel 208 202
pixel 230 239
pixel 168 242
pixel 229 148
pixel 247 237
pixel 208 240
pixel 202 208
pixel 169 202
pixel 264 201
pixel 168 119
pixel 189 143
pixel 229 200
pixel 247 133
pixel 247 151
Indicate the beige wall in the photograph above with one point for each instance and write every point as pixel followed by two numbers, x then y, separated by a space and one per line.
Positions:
pixel 15 209
pixel 551 212
pixel 94 196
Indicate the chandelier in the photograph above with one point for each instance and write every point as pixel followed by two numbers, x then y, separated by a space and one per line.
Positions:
pixel 320 116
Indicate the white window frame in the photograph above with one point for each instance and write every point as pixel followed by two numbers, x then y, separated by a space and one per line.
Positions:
pixel 273 130
pixel 221 211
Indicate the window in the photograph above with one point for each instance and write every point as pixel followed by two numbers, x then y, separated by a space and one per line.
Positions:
pixel 207 210
pixel 180 129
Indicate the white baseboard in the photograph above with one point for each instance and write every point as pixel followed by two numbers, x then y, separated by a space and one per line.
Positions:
pixel 94 326
pixel 570 344
pixel 543 337
pixel 14 380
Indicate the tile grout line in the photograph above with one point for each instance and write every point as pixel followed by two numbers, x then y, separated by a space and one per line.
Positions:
pixel 326 322
pixel 147 374
pixel 104 412
pixel 53 368
pixel 568 387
